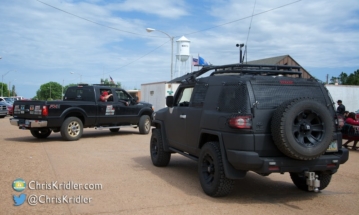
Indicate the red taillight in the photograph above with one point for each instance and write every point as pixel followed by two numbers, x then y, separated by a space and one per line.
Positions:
pixel 331 165
pixel 45 111
pixel 241 122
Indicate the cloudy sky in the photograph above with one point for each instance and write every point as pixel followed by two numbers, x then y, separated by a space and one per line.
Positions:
pixel 47 40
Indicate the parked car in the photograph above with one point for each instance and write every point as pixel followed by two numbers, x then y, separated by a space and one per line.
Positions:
pixel 8 107
pixel 3 110
pixel 9 100
pixel 260 118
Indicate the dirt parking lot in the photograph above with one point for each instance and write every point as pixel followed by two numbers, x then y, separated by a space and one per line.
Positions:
pixel 121 164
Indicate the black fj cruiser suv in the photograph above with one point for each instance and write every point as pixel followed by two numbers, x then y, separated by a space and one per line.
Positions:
pixel 260 118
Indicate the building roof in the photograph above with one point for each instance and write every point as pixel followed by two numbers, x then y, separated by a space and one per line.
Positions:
pixel 268 61
pixel 281 60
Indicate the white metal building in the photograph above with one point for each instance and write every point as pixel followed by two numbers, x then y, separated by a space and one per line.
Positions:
pixel 347 93
pixel 155 93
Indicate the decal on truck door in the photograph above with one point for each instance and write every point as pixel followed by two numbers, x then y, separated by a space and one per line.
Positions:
pixel 110 110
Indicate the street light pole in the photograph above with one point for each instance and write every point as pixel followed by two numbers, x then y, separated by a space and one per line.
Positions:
pixel 149 30
pixel 10 86
pixel 62 90
pixel 2 84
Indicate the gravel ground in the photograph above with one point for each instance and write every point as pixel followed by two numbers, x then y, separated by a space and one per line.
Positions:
pixel 121 164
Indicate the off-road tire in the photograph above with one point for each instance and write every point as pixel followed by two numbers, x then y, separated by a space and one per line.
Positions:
pixel 159 157
pixel 42 133
pixel 211 172
pixel 114 130
pixel 72 129
pixel 300 180
pixel 144 124
pixel 302 128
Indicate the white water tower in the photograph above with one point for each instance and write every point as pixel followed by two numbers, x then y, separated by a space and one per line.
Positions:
pixel 182 56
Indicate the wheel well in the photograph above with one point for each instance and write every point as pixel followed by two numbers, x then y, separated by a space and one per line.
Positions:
pixel 157 125
pixel 147 113
pixel 76 114
pixel 207 138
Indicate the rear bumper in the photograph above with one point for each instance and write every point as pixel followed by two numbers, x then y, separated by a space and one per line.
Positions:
pixel 244 160
pixel 22 123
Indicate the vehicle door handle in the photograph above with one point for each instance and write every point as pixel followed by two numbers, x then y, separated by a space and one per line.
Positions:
pixel 183 116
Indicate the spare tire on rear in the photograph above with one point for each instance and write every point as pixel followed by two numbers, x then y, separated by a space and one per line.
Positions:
pixel 302 128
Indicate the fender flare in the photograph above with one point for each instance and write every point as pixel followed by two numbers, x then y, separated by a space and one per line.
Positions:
pixel 229 170
pixel 163 132
pixel 71 110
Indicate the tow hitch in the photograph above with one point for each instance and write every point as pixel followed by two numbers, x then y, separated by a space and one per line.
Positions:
pixel 312 181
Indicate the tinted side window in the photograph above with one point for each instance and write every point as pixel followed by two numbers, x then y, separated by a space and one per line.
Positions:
pixel 79 94
pixel 199 94
pixel 234 99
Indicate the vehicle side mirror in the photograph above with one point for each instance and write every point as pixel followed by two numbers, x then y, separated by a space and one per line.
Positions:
pixel 169 101
pixel 134 100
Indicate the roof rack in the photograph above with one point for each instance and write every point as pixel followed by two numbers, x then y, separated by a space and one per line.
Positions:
pixel 255 69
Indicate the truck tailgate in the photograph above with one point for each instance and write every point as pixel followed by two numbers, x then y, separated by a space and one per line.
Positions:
pixel 28 109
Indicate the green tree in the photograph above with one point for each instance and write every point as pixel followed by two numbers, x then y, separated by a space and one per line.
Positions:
pixel 49 91
pixel 13 91
pixel 353 78
pixel 4 90
pixel 110 83
pixel 345 79
pixel 333 80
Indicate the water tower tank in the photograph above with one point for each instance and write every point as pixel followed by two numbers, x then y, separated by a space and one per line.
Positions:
pixel 183 45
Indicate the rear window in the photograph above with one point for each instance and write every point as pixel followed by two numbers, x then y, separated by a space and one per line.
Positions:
pixel 80 94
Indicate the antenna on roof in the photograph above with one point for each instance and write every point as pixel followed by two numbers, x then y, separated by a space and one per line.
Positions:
pixel 250 26
pixel 240 52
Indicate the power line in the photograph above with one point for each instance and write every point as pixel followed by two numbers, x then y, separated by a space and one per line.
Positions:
pixel 205 29
pixel 142 35
pixel 162 37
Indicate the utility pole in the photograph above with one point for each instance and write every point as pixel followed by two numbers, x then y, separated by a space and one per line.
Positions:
pixel 62 90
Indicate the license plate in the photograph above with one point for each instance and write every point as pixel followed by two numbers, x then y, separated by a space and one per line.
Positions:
pixel 333 147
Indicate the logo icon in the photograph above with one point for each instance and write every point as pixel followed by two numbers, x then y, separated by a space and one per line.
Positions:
pixel 19 185
pixel 19 200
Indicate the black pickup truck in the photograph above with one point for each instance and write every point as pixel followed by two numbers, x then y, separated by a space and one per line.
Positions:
pixel 81 108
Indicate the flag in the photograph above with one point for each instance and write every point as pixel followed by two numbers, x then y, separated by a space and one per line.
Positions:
pixel 194 61
pixel 112 80
pixel 202 62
